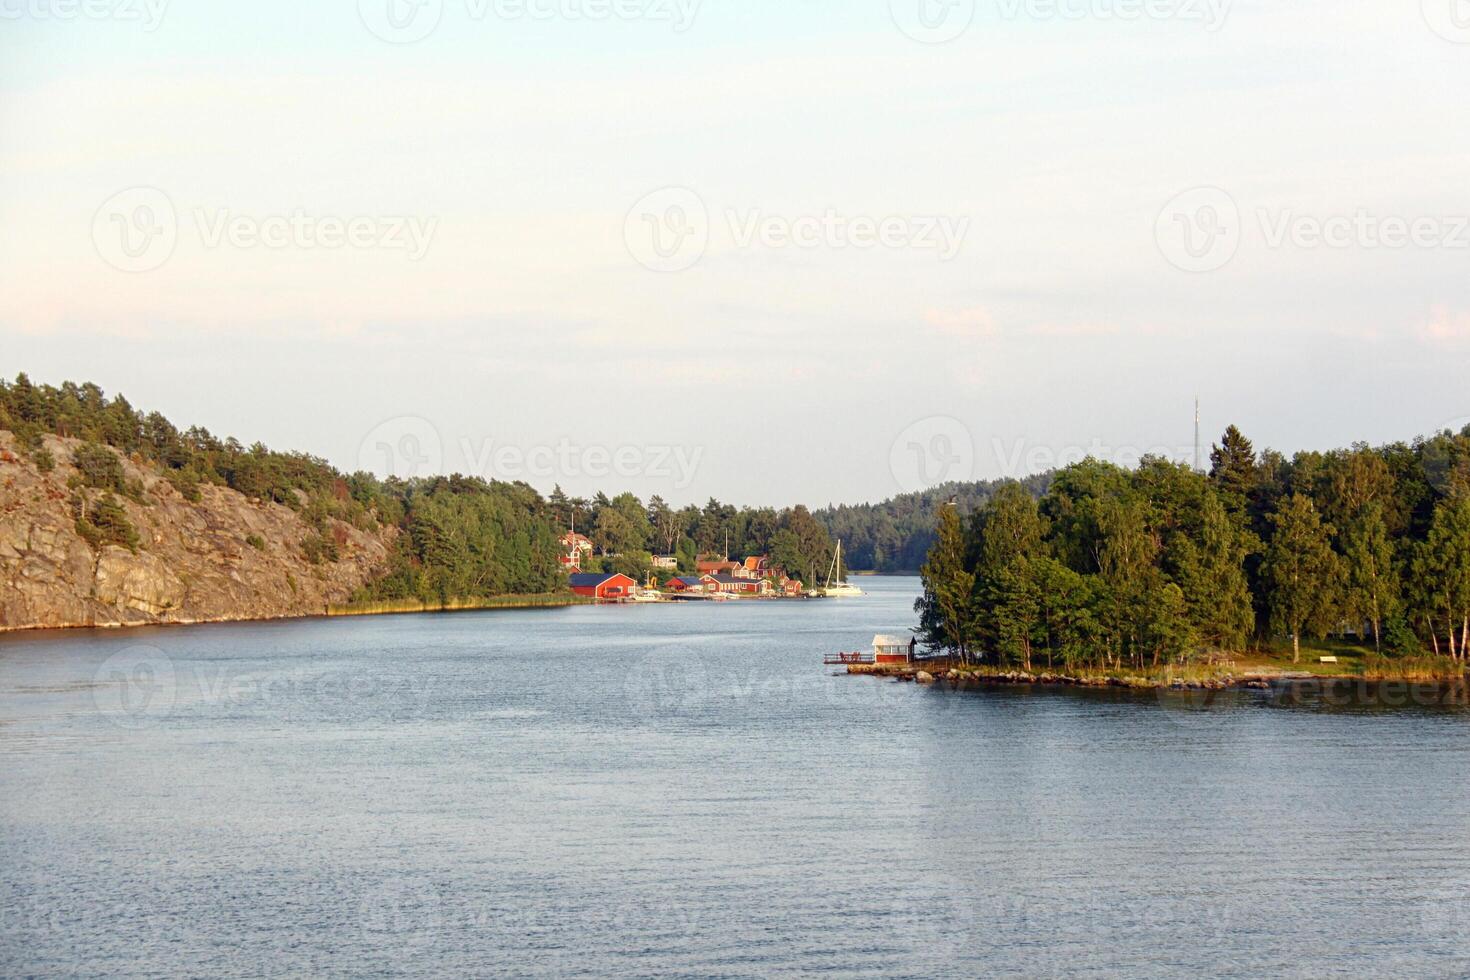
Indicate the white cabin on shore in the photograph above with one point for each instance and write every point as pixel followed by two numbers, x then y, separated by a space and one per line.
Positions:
pixel 891 649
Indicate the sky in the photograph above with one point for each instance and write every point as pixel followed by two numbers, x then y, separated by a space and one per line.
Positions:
pixel 772 252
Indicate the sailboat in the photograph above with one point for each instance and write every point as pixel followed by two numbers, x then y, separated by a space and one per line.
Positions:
pixel 838 589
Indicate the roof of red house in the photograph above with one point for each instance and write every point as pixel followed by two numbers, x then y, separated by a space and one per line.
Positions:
pixel 591 580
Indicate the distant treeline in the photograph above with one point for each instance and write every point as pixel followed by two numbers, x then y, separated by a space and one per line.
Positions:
pixel 462 537
pixel 1113 567
pixel 896 535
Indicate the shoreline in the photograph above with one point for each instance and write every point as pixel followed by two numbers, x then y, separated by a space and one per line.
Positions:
pixel 336 610
pixel 408 607
pixel 1250 679
pixel 393 607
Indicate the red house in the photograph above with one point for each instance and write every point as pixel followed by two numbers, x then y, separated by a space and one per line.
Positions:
pixel 740 586
pixel 574 547
pixel 685 583
pixel 716 566
pixel 599 586
pixel 759 566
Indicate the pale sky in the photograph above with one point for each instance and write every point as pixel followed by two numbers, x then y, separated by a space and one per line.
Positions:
pixel 893 244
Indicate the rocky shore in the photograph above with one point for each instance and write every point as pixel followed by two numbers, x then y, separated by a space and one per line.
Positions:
pixel 221 557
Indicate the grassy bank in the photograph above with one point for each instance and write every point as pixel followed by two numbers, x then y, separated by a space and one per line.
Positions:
pixel 393 606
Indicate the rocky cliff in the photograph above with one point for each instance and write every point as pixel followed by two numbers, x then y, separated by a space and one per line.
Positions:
pixel 224 557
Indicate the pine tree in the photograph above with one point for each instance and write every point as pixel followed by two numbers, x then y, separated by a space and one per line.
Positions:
pixel 1233 469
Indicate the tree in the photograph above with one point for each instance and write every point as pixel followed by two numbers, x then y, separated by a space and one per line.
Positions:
pixel 1067 601
pixel 1355 480
pixel 106 523
pixel 1302 571
pixel 807 549
pixel 99 466
pixel 621 525
pixel 1014 593
pixel 1210 571
pixel 686 555
pixel 561 507
pixel 1445 571
pixel 944 608
pixel 1233 469
pixel 666 522
pixel 613 532
pixel 1168 634
pixel 1372 576
pixel 1007 527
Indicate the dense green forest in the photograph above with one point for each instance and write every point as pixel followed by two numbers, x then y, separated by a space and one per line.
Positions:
pixel 1112 568
pixel 462 537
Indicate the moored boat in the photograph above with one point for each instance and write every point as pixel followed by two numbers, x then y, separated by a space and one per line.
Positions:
pixel 835 587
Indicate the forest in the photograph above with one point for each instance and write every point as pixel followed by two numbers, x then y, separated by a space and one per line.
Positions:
pixel 896 535
pixel 461 537
pixel 1114 568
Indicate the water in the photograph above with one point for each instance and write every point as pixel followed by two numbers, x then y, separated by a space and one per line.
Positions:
pixel 684 790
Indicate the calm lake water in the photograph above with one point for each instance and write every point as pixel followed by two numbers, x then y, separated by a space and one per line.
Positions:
pixel 683 789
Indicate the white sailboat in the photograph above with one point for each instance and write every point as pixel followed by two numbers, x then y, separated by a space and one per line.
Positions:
pixel 838 589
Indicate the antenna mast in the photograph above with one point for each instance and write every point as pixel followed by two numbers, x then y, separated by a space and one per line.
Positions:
pixel 1198 465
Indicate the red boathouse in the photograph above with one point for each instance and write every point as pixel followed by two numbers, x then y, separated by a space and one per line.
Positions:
pixel 598 586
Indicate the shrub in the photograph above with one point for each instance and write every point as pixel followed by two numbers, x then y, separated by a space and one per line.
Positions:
pixel 1399 640
pixel 105 522
pixel 255 541
pixel 318 549
pixel 99 467
pixel 44 461
pixel 186 483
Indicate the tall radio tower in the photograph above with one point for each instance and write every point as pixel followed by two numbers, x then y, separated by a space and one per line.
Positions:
pixel 1198 463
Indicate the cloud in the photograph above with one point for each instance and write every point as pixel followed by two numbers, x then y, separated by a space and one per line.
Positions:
pixel 1081 328
pixel 978 322
pixel 973 322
